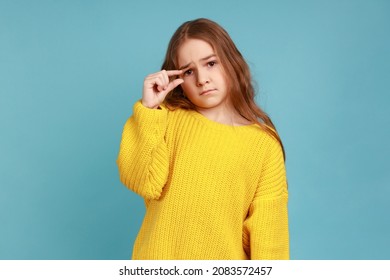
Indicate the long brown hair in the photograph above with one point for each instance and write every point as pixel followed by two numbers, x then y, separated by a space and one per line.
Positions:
pixel 241 91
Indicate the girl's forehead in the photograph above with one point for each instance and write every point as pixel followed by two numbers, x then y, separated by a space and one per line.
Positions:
pixel 194 50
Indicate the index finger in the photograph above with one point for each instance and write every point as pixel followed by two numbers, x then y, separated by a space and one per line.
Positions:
pixel 174 72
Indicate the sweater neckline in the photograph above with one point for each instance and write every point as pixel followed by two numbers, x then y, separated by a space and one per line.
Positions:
pixel 217 125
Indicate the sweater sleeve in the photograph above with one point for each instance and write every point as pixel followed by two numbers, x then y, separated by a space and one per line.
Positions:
pixel 266 233
pixel 143 156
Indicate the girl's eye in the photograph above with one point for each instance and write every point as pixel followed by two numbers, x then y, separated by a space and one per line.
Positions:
pixel 188 72
pixel 211 63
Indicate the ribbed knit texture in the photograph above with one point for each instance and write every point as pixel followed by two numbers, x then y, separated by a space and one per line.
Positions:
pixel 212 191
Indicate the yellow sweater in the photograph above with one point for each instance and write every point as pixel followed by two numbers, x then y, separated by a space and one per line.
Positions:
pixel 212 191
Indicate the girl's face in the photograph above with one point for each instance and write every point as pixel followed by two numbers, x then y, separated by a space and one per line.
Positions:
pixel 204 79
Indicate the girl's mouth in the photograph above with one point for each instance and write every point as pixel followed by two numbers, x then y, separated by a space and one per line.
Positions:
pixel 207 91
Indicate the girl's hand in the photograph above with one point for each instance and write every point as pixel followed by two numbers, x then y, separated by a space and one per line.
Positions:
pixel 157 86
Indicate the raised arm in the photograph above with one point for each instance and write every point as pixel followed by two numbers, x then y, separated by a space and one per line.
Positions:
pixel 143 160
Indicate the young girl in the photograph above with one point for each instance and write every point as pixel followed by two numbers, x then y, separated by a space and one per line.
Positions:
pixel 206 159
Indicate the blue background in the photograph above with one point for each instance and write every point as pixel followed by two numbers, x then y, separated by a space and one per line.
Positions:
pixel 70 72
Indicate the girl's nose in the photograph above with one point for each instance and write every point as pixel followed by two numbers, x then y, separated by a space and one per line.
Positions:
pixel 202 78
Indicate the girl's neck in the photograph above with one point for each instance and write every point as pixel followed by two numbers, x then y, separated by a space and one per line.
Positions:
pixel 224 115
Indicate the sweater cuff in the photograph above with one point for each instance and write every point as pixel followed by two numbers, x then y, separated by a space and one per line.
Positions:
pixel 151 117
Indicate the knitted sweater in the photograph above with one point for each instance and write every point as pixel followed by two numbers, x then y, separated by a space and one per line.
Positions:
pixel 212 191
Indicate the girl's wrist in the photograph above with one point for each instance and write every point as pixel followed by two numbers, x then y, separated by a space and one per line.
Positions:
pixel 150 107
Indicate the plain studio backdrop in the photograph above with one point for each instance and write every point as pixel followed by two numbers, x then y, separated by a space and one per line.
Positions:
pixel 70 72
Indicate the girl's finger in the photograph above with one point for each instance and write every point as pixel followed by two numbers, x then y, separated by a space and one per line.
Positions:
pixel 152 82
pixel 174 84
pixel 160 83
pixel 161 79
pixel 165 77
pixel 174 72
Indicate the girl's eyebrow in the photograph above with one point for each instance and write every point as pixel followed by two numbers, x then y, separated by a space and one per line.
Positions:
pixel 202 59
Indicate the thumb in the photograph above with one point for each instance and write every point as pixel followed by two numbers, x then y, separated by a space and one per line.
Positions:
pixel 174 84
